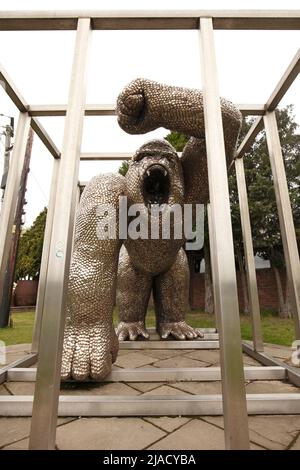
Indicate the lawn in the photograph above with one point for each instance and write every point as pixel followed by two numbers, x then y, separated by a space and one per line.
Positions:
pixel 275 330
pixel 21 331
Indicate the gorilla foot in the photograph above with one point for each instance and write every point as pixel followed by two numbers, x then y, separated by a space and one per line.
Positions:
pixel 131 330
pixel 179 330
pixel 89 352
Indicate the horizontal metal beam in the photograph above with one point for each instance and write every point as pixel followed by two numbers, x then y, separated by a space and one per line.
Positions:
pixel 292 373
pixel 44 110
pixel 25 361
pixel 153 19
pixel 20 102
pixel 153 405
pixel 278 93
pixel 252 109
pixel 169 344
pixel 45 138
pixel 284 83
pixel 144 374
pixel 250 137
pixel 12 91
pixel 106 156
pixel 207 337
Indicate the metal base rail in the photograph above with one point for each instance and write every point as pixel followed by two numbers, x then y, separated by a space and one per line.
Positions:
pixel 293 374
pixel 25 361
pixel 147 374
pixel 150 405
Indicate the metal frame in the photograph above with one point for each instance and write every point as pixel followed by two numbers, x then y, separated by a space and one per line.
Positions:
pixel 143 19
pixel 153 405
pixel 110 110
pixel 60 229
pixel 44 260
pixel 288 234
pixel 11 193
pixel 226 299
pixel 293 375
pixel 25 361
pixel 144 374
pixel 44 415
pixel 249 255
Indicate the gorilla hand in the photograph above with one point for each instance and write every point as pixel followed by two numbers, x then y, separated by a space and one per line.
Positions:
pixel 145 105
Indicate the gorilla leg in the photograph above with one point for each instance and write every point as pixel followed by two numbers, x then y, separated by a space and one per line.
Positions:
pixel 171 291
pixel 133 292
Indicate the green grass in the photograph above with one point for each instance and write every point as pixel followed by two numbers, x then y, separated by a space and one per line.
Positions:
pixel 275 330
pixel 21 331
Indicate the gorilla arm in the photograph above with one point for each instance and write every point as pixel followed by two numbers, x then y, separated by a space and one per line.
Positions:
pixel 145 105
pixel 90 342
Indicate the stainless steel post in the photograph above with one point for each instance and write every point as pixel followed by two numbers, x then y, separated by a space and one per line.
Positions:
pixel 11 193
pixel 287 228
pixel 45 258
pixel 44 417
pixel 234 397
pixel 213 263
pixel 249 256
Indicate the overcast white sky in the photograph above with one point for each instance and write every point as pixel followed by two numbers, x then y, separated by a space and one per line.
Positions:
pixel 250 64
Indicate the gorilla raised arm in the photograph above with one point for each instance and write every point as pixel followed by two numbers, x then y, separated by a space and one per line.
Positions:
pixel 145 105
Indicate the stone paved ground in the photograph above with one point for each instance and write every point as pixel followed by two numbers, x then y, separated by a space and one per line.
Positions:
pixel 205 432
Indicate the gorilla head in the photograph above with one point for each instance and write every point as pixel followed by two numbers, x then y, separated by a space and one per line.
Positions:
pixel 155 175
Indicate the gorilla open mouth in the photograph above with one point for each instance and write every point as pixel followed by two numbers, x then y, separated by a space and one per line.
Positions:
pixel 156 185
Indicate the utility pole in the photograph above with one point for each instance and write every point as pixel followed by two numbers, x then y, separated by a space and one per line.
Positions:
pixel 10 270
pixel 9 133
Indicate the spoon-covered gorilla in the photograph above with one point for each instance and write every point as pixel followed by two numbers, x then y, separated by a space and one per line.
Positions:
pixel 156 175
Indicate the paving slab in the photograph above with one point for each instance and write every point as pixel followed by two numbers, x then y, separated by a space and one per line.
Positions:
pixel 249 361
pixel 271 386
pixel 280 352
pixel 163 353
pixel 12 357
pixel 196 434
pixel 23 444
pixel 24 347
pixel 180 362
pixel 165 390
pixel 274 432
pixel 15 429
pixel 3 390
pixel 113 388
pixel 200 388
pixel 123 352
pixel 107 433
pixel 150 366
pixel 296 443
pixel 145 386
pixel 21 388
pixel 167 423
pixel 210 356
pixel 135 359
pixel 278 429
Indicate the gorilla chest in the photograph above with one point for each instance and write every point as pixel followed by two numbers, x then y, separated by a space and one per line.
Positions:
pixel 153 256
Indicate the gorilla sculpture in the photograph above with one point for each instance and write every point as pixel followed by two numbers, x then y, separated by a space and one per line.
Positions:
pixel 156 174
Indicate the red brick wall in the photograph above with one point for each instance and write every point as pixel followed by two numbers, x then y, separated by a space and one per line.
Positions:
pixel 267 290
